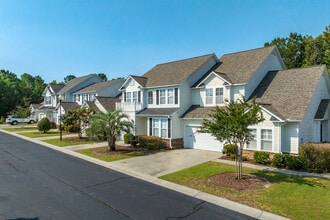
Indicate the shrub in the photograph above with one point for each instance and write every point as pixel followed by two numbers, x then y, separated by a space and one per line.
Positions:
pixel 261 157
pixel 44 125
pixel 316 158
pixel 232 156
pixel 53 125
pixel 230 149
pixel 128 138
pixel 150 142
pixel 288 161
pixel 72 128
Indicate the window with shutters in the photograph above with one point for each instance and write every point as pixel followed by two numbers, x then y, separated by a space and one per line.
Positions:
pixel 150 97
pixel 167 96
pixel 160 127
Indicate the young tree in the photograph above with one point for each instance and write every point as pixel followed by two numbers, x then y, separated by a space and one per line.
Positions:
pixel 231 123
pixel 110 123
pixel 44 125
pixel 77 120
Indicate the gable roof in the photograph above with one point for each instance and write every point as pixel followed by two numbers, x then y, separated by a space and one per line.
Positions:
pixel 198 112
pixel 173 73
pixel 56 87
pixel 76 81
pixel 239 67
pixel 99 86
pixel 70 105
pixel 287 93
pixel 109 103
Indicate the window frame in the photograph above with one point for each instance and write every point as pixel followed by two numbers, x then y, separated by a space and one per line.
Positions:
pixel 259 138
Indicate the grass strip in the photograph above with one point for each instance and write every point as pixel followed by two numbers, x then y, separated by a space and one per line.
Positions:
pixel 66 142
pixel 109 157
pixel 290 196
pixel 38 134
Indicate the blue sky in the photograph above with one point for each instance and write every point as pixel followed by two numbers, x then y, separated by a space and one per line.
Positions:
pixel 55 38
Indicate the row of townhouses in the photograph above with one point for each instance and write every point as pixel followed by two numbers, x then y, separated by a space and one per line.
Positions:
pixel 172 99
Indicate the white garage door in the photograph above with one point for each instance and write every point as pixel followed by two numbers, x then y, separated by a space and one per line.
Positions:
pixel 202 141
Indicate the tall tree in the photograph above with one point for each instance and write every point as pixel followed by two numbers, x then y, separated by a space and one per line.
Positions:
pixel 231 123
pixel 68 78
pixel 110 123
pixel 103 77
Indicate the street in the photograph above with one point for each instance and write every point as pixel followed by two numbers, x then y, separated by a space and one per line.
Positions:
pixel 38 182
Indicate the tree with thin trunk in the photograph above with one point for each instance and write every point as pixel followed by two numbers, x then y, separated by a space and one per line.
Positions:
pixel 110 123
pixel 231 123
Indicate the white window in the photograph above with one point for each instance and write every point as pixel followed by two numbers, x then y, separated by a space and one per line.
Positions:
pixel 253 143
pixel 160 127
pixel 91 97
pixel 170 96
pixel 209 96
pixel 150 97
pixel 128 97
pixel 214 96
pixel 77 98
pixel 162 96
pixel 266 139
pixel 135 97
pixel 84 97
pixel 48 100
pixel 219 96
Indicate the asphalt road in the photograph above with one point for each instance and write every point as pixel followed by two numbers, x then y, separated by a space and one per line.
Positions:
pixel 38 182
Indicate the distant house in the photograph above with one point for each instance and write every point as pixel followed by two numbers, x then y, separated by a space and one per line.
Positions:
pixel 47 107
pixel 108 88
pixel 102 104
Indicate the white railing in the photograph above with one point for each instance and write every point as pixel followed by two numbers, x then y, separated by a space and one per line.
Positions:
pixel 129 106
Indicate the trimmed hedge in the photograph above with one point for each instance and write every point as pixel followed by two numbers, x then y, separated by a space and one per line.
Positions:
pixel 288 161
pixel 150 142
pixel 261 157
pixel 316 157
pixel 128 138
pixel 230 149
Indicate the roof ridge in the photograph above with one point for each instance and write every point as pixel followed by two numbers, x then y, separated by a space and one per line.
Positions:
pixel 244 51
pixel 176 61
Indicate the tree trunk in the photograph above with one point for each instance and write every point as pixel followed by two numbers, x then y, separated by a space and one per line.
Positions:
pixel 111 142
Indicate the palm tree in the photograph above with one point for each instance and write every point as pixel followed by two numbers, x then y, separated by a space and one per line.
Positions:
pixel 110 123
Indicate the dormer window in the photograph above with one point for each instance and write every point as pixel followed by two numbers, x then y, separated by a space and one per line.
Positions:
pixel 214 96
pixel 48 100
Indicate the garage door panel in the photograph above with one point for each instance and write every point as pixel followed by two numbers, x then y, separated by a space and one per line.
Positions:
pixel 203 141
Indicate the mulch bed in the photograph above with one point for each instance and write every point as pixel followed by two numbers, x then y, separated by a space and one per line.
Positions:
pixel 248 181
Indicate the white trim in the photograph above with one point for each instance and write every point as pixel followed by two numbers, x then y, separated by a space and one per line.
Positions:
pixel 258 130
pixel 272 114
pixel 216 75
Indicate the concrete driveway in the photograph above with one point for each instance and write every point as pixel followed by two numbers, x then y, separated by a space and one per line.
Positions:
pixel 166 162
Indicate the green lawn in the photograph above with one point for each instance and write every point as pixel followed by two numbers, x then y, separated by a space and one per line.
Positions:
pixel 38 134
pixel 108 157
pixel 15 128
pixel 290 196
pixel 66 142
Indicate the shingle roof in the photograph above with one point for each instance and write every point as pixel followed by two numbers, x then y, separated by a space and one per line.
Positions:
pixel 198 112
pixel 76 81
pixel 70 105
pixel 322 109
pixel 99 86
pixel 157 111
pixel 173 73
pixel 109 103
pixel 141 80
pixel 288 93
pixel 36 106
pixel 239 67
pixel 56 87
pixel 92 105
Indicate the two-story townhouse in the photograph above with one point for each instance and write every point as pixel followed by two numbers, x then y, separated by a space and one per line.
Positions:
pixel 108 88
pixel 294 102
pixel 236 75
pixel 156 100
pixel 76 84
pixel 47 107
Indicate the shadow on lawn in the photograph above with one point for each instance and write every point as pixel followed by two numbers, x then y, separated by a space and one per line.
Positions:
pixel 279 178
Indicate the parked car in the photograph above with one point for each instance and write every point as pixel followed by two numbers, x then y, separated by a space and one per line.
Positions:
pixel 14 120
